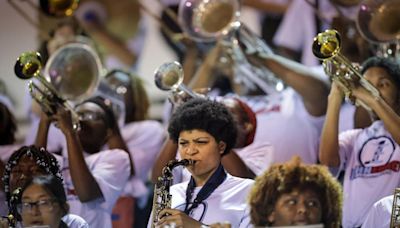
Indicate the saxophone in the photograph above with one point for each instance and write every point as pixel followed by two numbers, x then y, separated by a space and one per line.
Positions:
pixel 395 217
pixel 161 197
pixel 13 215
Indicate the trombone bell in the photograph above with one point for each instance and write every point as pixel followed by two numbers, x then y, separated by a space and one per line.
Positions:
pixel 59 8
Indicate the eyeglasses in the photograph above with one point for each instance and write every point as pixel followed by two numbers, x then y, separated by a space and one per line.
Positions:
pixel 118 81
pixel 45 205
pixel 88 116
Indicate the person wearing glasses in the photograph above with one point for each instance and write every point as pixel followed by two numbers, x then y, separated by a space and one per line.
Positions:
pixel 43 202
pixel 93 177
pixel 22 166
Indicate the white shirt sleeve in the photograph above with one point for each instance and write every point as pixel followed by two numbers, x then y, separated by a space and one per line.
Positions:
pixel 111 170
pixel 347 140
pixel 380 213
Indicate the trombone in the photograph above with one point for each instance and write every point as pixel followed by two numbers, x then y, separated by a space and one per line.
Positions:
pixel 206 21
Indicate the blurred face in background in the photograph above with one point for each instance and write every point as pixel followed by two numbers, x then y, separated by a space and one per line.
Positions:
pixel 94 130
pixel 26 169
pixel 39 207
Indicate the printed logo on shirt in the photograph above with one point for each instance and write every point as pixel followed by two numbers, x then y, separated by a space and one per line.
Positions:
pixel 375 158
pixel 197 213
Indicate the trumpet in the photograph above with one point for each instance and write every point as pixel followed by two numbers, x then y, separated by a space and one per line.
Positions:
pixel 326 46
pixel 169 77
pixel 71 75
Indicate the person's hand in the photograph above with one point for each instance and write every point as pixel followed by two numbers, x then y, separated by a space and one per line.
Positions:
pixel 337 89
pixel 178 98
pixel 176 217
pixel 362 94
pixel 64 120
pixel 3 222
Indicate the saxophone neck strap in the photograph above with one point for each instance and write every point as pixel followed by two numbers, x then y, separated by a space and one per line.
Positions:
pixel 215 180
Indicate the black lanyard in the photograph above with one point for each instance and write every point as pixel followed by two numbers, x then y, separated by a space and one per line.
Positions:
pixel 215 180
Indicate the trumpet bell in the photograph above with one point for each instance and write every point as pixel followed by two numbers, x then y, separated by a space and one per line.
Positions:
pixel 59 8
pixel 326 44
pixel 169 76
pixel 206 20
pixel 378 20
pixel 28 65
pixel 74 71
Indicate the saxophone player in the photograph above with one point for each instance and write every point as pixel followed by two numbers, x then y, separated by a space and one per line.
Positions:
pixel 205 131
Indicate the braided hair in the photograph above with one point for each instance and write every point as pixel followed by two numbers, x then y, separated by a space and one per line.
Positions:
pixel 45 160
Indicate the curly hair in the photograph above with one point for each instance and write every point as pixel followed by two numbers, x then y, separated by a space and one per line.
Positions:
pixel 45 160
pixel 284 178
pixel 209 116
pixel 391 67
pixel 8 126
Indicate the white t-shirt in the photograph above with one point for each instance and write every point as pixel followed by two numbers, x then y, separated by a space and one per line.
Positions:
pixel 111 170
pixel 258 156
pixel 298 27
pixel 380 214
pixel 284 122
pixel 228 202
pixel 370 158
pixel 144 140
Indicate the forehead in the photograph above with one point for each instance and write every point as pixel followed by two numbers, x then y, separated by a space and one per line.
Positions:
pixel 304 192
pixel 89 107
pixel 193 134
pixel 35 190
pixel 377 73
pixel 28 161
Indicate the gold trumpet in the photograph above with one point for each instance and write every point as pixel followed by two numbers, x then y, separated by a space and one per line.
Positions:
pixel 326 46
pixel 71 75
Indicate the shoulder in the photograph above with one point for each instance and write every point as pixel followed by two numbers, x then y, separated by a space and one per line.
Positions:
pixel 75 221
pixel 112 156
pixel 148 125
pixel 233 183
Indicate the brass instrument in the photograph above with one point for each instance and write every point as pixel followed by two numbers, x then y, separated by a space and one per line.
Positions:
pixel 378 22
pixel 205 21
pixel 71 75
pixel 395 216
pixel 12 216
pixel 326 46
pixel 169 77
pixel 52 8
pixel 162 197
